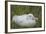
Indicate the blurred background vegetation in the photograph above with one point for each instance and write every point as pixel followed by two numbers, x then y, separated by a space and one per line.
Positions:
pixel 23 9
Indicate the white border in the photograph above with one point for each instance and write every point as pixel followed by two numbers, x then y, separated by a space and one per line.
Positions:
pixel 28 29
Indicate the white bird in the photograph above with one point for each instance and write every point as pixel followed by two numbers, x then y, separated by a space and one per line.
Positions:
pixel 26 20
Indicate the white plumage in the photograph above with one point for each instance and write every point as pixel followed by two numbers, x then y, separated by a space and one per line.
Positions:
pixel 26 20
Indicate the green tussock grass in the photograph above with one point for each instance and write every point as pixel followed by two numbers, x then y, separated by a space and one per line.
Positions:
pixel 21 9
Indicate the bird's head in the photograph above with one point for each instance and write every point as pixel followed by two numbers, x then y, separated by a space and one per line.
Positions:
pixel 31 16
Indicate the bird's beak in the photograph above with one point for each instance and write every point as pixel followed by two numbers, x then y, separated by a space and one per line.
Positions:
pixel 36 18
